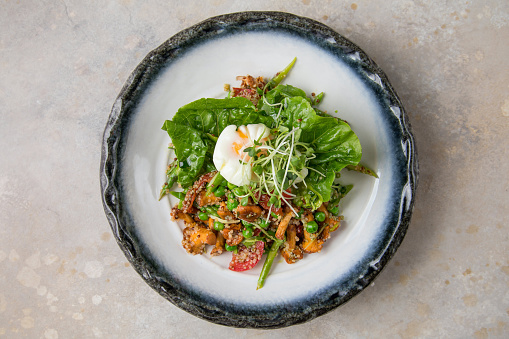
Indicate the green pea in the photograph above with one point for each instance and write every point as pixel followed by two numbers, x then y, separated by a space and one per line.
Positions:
pixel 230 248
pixel 244 201
pixel 232 204
pixel 203 216
pixel 238 191
pixel 312 227
pixel 220 191
pixel 218 226
pixel 246 224
pixel 319 216
pixel 334 210
pixel 247 232
pixel 264 223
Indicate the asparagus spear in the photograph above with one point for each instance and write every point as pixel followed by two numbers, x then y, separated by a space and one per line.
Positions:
pixel 268 262
pixel 362 169
pixel 216 181
pixel 280 76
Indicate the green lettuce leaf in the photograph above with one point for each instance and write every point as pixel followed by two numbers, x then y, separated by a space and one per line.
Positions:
pixel 332 139
pixel 194 126
pixel 320 185
pixel 211 116
pixel 190 149
pixel 271 104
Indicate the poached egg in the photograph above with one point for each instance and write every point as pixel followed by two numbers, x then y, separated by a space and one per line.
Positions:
pixel 229 156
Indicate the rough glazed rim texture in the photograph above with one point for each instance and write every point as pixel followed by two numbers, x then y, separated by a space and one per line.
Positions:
pixel 125 106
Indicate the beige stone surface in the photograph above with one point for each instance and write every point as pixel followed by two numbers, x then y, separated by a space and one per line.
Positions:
pixel 62 64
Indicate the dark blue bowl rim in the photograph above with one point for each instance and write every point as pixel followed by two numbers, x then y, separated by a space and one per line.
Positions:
pixel 124 108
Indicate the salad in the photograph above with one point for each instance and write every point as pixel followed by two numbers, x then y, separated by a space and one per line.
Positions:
pixel 259 171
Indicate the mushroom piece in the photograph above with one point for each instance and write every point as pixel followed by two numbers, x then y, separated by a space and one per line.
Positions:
pixel 193 191
pixel 232 236
pixel 249 213
pixel 224 212
pixel 177 214
pixel 219 247
pixel 311 243
pixel 283 224
pixel 196 237
pixel 290 251
pixel 204 199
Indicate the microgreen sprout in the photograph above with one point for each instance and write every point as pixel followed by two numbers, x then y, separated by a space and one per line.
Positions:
pixel 273 167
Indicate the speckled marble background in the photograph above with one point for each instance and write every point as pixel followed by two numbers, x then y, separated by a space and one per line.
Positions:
pixel 62 65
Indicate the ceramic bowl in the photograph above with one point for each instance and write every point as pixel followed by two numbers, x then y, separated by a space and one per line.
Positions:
pixel 196 63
